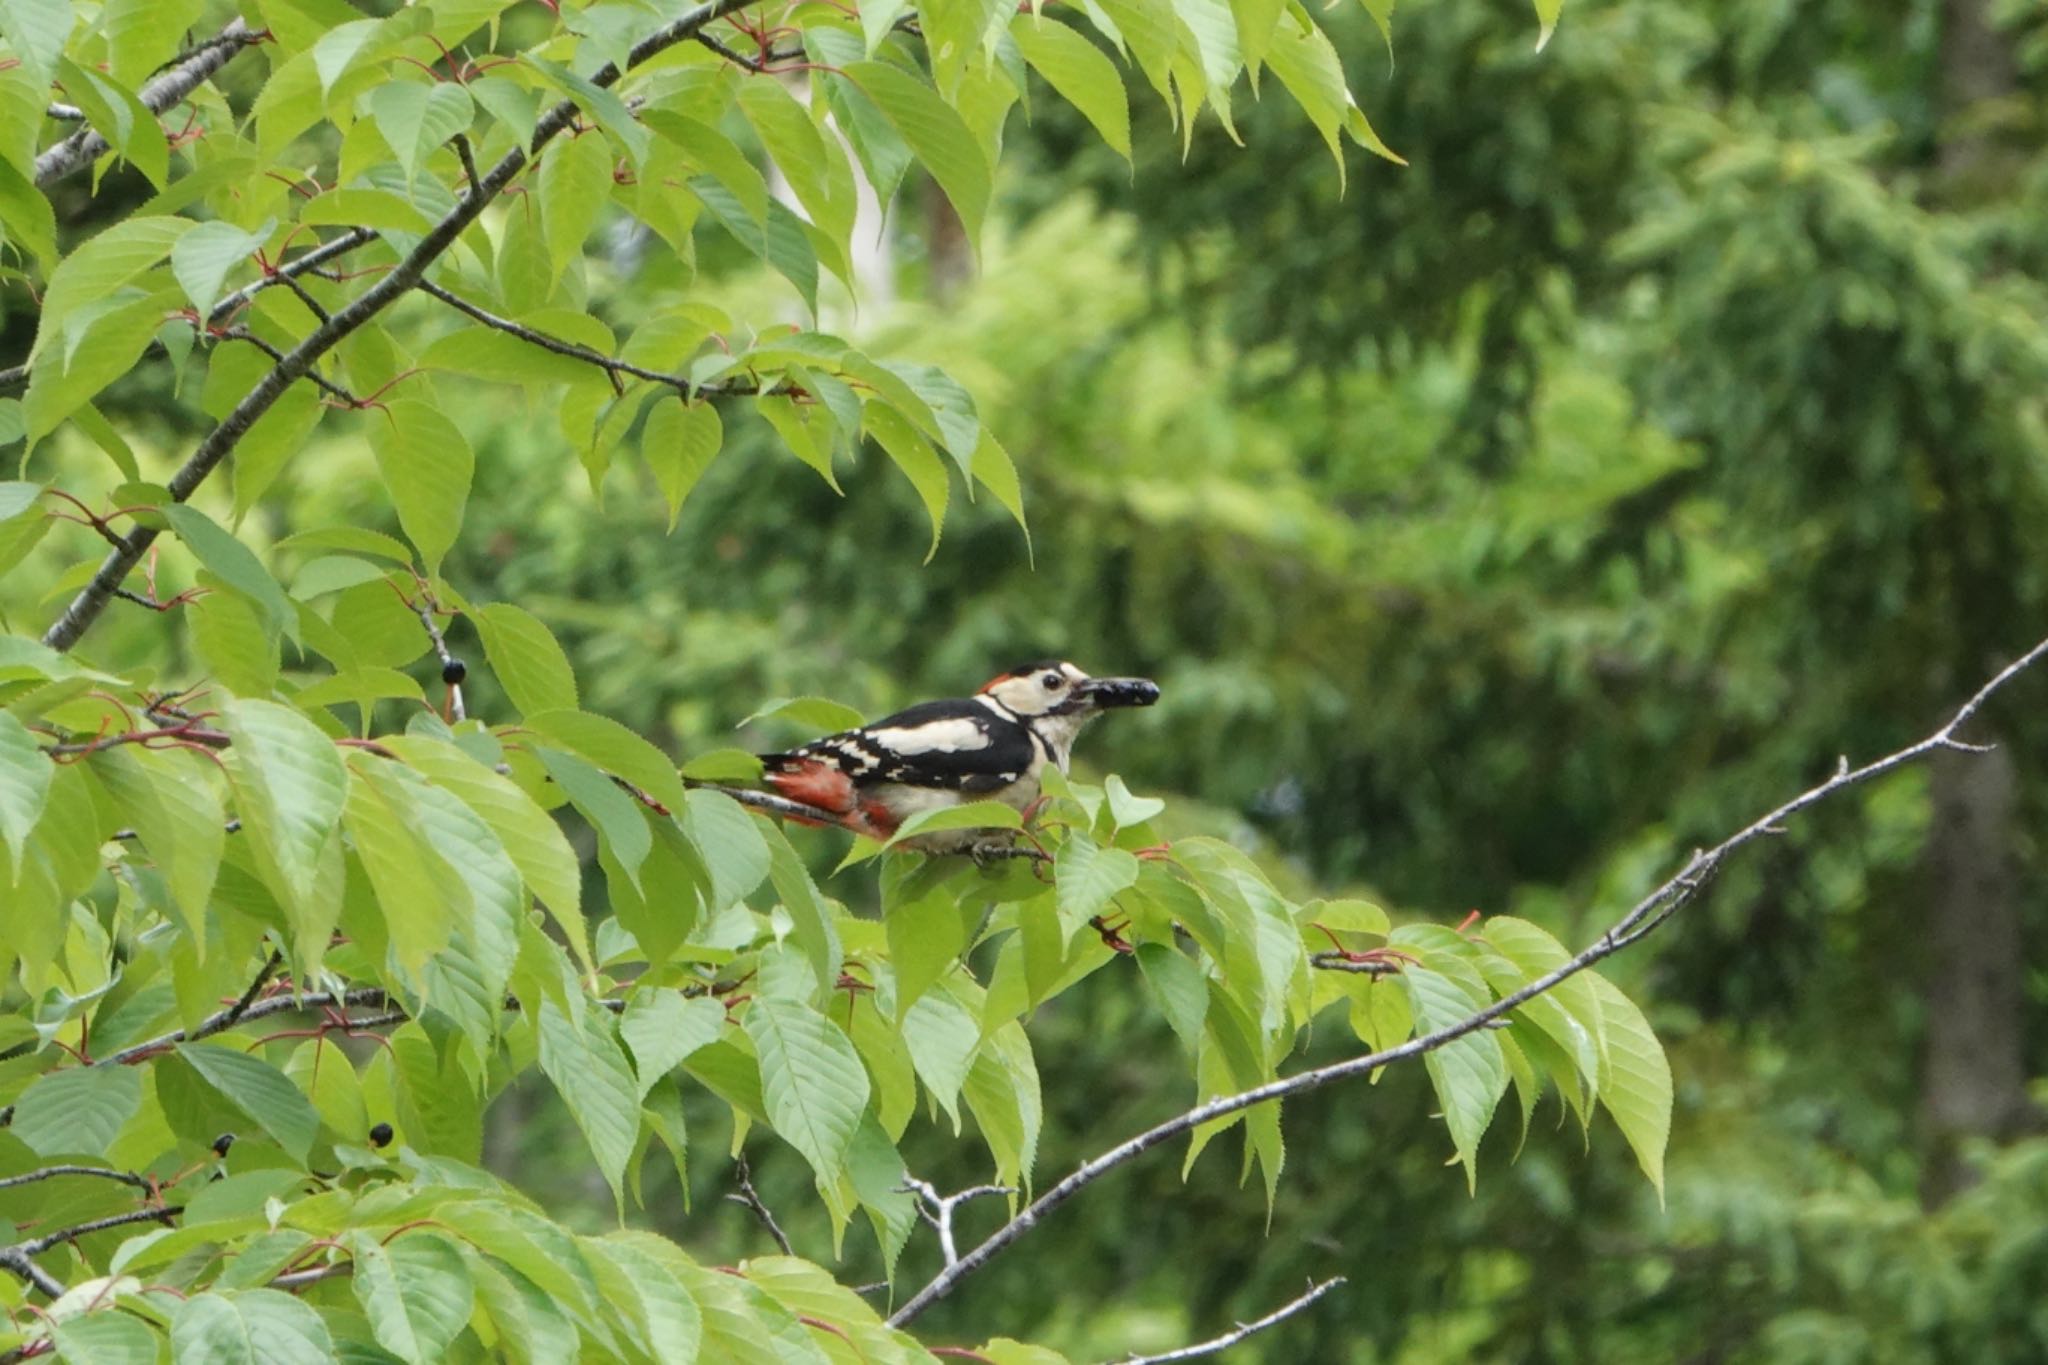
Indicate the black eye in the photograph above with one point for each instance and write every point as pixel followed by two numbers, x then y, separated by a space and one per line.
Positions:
pixel 1053 682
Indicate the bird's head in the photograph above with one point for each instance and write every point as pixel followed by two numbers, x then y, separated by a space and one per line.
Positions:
pixel 1052 687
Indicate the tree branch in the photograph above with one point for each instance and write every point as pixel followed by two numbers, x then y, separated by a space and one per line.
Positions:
pixel 612 366
pixel 750 1198
pixel 1641 919
pixel 53 1172
pixel 184 76
pixel 1243 1329
pixel 92 600
pixel 937 1209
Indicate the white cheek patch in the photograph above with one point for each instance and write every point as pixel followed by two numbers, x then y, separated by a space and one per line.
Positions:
pixel 941 736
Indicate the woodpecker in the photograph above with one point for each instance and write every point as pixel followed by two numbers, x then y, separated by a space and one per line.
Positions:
pixel 992 746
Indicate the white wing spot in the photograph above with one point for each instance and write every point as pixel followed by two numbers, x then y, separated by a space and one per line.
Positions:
pixel 939 736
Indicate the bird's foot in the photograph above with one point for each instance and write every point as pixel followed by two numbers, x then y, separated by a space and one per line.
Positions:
pixel 1112 934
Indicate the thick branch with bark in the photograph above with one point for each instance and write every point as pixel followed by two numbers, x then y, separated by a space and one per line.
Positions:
pixel 1642 919
pixel 185 76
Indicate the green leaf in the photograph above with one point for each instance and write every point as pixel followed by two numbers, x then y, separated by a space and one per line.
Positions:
pixel 1083 76
pixel 530 663
pixel 36 30
pixel 913 454
pixel 76 1110
pixel 935 132
pixel 261 1091
pixel 1088 877
pixel 730 843
pixel 417 117
pixel 662 1309
pixel 812 1080
pixel 26 215
pixel 662 1026
pixel 107 1337
pixel 610 811
pixel 253 1327
pixel 679 442
pixel 490 354
pixel 596 1083
pixel 416 1292
pixel 1126 809
pixel 615 749
pixel 1569 1013
pixel 1636 1086
pixel 1547 12
pixel 971 815
pixel 233 562
pixel 718 157
pixel 943 1036
pixel 203 257
pixel 532 839
pixel 25 774
pixel 724 765
pixel 1178 987
pixel 422 900
pixel 532 1329
pixel 926 937
pixel 575 186
pixel 810 917
pixel 427 465
pixel 102 267
pixel 290 786
pixel 817 713
pixel 1469 1074
pixel 809 160
pixel 169 801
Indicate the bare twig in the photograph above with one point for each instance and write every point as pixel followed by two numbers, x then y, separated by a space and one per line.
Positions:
pixel 299 1279
pixel 750 1198
pixel 453 670
pixel 53 1172
pixel 467 156
pixel 613 367
pixel 19 1258
pixel 937 1209
pixel 1332 960
pixel 92 599
pixel 320 381
pixel 156 1213
pixel 1642 918
pixel 183 77
pixel 1241 1331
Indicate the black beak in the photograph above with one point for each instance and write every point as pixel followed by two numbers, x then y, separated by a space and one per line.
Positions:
pixel 1106 692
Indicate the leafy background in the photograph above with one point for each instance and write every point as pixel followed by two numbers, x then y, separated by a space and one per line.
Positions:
pixel 1497 525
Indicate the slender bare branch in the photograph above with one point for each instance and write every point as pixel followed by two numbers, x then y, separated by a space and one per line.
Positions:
pixel 750 1198
pixel 54 1172
pixel 937 1209
pixel 1642 918
pixel 183 77
pixel 1241 1331
pixel 92 600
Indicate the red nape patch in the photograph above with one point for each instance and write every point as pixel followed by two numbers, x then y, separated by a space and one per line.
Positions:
pixel 815 784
